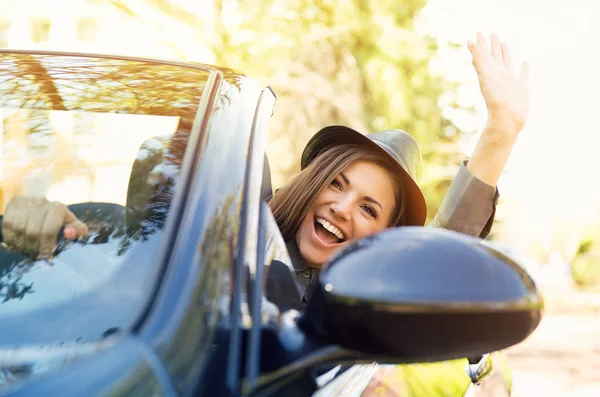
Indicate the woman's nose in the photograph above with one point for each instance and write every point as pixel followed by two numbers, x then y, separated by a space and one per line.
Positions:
pixel 341 208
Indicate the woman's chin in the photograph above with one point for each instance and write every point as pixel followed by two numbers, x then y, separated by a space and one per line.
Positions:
pixel 316 258
pixel 314 255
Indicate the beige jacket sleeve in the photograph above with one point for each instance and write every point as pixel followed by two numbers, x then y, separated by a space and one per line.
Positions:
pixel 469 206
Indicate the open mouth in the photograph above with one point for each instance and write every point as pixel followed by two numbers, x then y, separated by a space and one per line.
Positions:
pixel 327 232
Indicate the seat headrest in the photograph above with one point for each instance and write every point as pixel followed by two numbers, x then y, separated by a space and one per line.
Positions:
pixel 152 180
pixel 151 186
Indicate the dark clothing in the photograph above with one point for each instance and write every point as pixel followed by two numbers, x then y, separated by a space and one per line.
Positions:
pixel 306 277
pixel 281 287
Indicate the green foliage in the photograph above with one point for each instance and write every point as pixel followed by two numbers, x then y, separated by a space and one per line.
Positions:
pixel 586 272
pixel 441 379
pixel 350 62
pixel 445 379
pixel 586 265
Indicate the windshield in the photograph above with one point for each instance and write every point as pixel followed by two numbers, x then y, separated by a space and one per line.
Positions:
pixel 106 137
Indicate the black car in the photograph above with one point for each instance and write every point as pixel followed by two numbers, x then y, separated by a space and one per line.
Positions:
pixel 165 162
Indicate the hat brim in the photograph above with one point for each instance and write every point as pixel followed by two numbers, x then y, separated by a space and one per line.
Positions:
pixel 335 135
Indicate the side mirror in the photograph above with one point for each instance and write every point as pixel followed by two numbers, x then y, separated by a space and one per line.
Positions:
pixel 422 294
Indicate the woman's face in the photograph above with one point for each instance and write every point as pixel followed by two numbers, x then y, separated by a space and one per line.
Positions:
pixel 360 201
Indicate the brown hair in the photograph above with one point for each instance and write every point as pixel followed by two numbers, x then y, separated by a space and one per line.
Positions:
pixel 291 203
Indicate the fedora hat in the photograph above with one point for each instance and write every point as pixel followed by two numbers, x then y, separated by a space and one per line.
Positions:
pixel 397 145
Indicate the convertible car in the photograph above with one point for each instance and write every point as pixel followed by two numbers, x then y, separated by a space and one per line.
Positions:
pixel 165 296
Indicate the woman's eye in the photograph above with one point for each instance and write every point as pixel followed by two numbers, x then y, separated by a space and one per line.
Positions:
pixel 336 184
pixel 370 211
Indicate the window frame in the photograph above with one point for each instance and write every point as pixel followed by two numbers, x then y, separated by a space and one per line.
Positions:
pixel 249 255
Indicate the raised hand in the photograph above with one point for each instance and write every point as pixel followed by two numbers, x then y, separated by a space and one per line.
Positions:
pixel 506 94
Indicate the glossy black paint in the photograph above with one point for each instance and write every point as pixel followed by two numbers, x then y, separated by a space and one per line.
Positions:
pixel 422 294
pixel 195 296
pixel 127 369
pixel 460 273
pixel 249 292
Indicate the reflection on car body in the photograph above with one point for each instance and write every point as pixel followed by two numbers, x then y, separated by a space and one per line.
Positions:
pixel 164 161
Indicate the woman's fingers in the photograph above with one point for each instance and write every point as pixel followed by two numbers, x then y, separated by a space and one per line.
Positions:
pixel 524 76
pixel 496 49
pixel 478 56
pixel 482 44
pixel 497 53
pixel 481 53
pixel 507 59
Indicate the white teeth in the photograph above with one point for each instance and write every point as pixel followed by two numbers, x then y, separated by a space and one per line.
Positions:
pixel 332 229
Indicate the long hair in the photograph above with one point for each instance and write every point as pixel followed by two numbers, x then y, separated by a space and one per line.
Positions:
pixel 291 203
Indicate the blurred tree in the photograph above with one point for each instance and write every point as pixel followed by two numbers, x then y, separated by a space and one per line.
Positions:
pixel 585 262
pixel 353 62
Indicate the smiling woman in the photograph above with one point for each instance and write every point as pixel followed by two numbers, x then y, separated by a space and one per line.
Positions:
pixel 352 186
pixel 362 189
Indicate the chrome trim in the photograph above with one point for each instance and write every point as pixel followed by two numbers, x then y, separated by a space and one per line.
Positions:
pixel 480 371
pixel 247 250
pixel 257 160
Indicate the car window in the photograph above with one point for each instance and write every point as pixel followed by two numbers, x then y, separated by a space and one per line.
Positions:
pixel 106 137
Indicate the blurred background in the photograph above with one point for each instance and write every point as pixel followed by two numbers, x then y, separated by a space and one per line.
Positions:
pixel 382 64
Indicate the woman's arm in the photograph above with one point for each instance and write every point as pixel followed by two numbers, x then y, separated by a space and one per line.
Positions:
pixel 469 207
pixel 507 100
